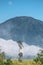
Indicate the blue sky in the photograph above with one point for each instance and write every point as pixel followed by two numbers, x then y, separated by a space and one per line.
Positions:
pixel 13 8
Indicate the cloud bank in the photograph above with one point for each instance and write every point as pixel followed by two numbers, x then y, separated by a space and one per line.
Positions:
pixel 11 48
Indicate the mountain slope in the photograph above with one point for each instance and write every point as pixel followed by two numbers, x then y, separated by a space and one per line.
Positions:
pixel 26 29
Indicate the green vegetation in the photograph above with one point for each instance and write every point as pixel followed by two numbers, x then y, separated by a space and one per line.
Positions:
pixel 37 61
pixel 16 62
pixel 39 58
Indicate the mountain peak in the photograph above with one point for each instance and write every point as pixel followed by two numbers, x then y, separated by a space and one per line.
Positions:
pixel 23 28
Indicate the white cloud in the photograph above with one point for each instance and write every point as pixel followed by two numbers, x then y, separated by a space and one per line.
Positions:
pixel 11 48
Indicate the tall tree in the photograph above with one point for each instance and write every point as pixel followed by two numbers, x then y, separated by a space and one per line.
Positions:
pixel 20 47
pixel 20 44
pixel 2 55
pixel 39 57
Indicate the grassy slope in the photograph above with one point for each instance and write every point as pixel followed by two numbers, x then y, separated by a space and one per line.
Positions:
pixel 24 62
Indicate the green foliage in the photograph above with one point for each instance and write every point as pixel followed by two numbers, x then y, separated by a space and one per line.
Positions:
pixel 39 58
pixel 20 55
pixel 2 55
pixel 16 62
pixel 9 62
pixel 36 60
